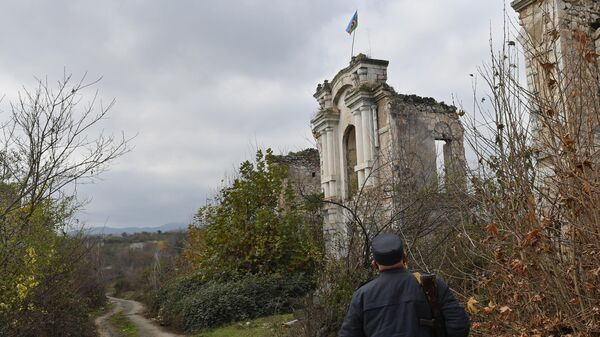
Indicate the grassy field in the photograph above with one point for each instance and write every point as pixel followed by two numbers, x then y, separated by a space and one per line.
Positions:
pixel 123 325
pixel 271 326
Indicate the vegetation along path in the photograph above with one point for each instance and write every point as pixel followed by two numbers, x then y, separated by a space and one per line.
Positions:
pixel 133 311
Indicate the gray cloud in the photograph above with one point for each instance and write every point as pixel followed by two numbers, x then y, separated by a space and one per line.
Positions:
pixel 203 83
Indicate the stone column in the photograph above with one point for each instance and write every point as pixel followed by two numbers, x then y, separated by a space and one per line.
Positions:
pixel 325 150
pixel 358 127
pixel 375 127
pixel 367 134
pixel 367 141
pixel 331 160
pixel 330 152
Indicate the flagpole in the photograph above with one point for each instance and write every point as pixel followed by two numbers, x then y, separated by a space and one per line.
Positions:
pixel 352 51
pixel 351 29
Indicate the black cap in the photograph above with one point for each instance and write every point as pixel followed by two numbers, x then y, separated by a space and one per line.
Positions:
pixel 387 249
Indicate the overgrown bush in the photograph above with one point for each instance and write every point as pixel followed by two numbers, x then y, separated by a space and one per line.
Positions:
pixel 194 304
pixel 258 224
pixel 63 291
pixel 166 302
pixel 256 230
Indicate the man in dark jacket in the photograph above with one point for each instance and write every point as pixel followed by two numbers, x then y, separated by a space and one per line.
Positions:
pixel 394 304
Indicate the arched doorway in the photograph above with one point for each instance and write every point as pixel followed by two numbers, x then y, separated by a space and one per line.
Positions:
pixel 350 160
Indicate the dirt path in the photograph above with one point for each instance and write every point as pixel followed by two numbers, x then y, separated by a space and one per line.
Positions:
pixel 104 327
pixel 133 310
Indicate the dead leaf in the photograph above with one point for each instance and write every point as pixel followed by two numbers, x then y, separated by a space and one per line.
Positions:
pixel 472 305
pixel 531 238
pixel 505 309
pixel 489 309
pixel 518 265
pixel 492 229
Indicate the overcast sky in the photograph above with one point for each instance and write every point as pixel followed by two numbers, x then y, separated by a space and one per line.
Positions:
pixel 203 83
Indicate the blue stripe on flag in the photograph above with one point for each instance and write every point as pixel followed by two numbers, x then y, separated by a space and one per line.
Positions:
pixel 353 23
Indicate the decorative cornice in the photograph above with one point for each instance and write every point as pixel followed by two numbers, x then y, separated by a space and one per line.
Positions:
pixel 325 118
pixel 364 94
pixel 362 58
pixel 322 88
pixel 519 5
pixel 356 61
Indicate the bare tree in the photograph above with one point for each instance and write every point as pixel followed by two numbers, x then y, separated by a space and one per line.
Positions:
pixel 532 247
pixel 51 140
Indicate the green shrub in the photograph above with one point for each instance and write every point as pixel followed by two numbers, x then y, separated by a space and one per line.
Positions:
pixel 194 304
pixel 257 225
pixel 167 305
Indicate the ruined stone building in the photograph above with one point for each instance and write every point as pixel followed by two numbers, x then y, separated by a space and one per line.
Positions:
pixel 561 44
pixel 303 170
pixel 559 36
pixel 371 137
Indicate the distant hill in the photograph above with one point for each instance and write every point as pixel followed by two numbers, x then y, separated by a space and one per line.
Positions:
pixel 170 227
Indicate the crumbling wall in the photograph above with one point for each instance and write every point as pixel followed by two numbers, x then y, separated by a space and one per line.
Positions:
pixel 561 43
pixel 417 123
pixel 303 170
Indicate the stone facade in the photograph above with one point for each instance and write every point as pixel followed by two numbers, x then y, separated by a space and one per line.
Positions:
pixel 303 170
pixel 369 136
pixel 561 43
pixel 556 31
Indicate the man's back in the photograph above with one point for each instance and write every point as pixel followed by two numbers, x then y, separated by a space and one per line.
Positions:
pixel 392 304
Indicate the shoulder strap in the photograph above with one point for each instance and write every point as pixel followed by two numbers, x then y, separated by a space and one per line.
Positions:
pixel 417 276
pixel 429 286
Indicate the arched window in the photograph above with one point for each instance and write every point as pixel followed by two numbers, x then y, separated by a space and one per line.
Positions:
pixel 350 160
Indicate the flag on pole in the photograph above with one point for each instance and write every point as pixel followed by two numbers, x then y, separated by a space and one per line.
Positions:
pixel 353 23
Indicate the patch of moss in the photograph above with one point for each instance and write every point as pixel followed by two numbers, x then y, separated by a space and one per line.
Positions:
pixel 124 325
